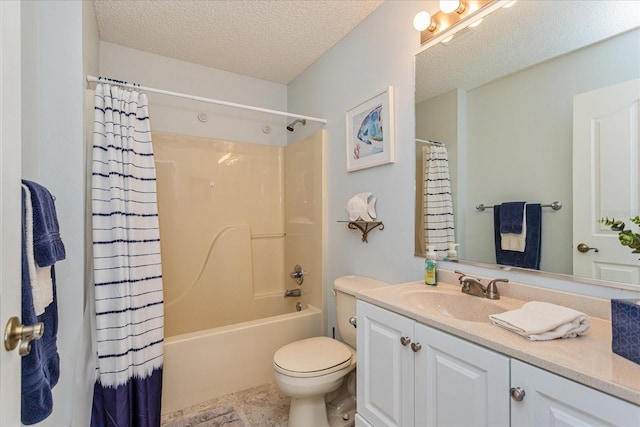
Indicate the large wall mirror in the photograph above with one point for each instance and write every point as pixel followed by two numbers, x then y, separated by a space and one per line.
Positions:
pixel 500 97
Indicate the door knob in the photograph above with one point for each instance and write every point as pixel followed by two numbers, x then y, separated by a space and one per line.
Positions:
pixel 517 393
pixel 416 346
pixel 405 340
pixel 15 333
pixel 584 248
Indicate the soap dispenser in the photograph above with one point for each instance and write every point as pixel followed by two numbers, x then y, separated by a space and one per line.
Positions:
pixel 430 275
pixel 452 254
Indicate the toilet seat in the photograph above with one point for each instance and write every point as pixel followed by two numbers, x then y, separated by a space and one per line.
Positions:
pixel 312 357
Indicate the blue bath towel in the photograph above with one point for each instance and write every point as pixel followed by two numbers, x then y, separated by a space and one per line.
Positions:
pixel 41 367
pixel 530 258
pixel 37 401
pixel 511 217
pixel 47 244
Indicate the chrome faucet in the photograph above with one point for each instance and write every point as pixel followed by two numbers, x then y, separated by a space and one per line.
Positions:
pixel 492 289
pixel 472 286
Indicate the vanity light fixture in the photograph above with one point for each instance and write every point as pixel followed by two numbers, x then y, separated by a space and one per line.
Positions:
pixel 423 22
pixel 448 6
pixel 446 19
pixel 476 23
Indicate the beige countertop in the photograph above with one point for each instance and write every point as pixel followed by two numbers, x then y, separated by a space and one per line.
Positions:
pixel 587 359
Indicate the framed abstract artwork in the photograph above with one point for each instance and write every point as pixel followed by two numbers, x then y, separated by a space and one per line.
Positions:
pixel 370 132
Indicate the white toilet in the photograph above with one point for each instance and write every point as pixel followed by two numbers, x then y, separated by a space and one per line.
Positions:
pixel 309 369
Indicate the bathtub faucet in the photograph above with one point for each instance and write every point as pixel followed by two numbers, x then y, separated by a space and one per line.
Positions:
pixel 292 293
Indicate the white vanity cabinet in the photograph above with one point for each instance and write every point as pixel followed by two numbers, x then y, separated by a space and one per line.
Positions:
pixel 410 374
pixel 551 400
pixel 413 375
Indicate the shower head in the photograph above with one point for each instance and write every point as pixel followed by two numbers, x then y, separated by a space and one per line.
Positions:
pixel 292 124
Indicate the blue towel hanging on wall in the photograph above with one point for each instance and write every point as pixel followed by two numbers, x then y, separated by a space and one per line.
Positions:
pixel 530 258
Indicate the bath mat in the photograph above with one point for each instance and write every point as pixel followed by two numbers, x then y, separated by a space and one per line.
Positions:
pixel 224 416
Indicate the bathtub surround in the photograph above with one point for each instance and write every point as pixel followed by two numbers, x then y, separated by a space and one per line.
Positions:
pixel 126 263
pixel 235 218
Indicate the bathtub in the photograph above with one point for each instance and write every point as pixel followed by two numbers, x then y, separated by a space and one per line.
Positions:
pixel 203 365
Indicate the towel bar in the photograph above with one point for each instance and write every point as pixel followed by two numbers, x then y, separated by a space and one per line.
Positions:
pixel 556 206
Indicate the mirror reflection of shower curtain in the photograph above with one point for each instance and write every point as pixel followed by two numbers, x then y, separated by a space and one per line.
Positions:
pixel 439 229
pixel 126 263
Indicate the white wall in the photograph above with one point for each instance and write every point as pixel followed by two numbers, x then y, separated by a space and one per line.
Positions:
pixel 53 155
pixel 377 53
pixel 175 115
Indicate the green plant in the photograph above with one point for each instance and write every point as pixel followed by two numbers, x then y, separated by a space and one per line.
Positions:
pixel 627 237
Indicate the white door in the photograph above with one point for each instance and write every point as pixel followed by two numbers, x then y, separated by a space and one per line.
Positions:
pixel 459 383
pixel 550 400
pixel 606 151
pixel 385 367
pixel 10 204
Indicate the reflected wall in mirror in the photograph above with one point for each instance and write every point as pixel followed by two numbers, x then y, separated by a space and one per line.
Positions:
pixel 500 97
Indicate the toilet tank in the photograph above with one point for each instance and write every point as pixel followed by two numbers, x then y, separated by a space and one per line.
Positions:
pixel 345 289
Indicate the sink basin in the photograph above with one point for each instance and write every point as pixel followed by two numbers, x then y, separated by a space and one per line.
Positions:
pixel 458 306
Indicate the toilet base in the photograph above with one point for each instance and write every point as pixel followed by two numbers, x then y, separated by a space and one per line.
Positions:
pixel 341 405
pixel 304 410
pixel 347 419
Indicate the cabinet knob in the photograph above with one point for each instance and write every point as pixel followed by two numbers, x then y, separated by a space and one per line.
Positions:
pixel 405 340
pixel 416 346
pixel 517 394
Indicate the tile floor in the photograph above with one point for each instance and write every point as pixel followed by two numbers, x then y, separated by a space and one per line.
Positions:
pixel 259 406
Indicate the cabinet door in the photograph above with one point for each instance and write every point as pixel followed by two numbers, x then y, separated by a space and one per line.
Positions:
pixel 551 400
pixel 385 367
pixel 459 383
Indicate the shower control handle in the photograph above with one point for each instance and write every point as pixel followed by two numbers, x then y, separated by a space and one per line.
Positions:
pixel 297 274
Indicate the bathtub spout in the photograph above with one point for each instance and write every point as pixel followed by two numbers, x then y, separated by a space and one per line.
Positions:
pixel 292 293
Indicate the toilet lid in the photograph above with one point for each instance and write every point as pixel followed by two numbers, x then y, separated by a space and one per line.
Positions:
pixel 312 357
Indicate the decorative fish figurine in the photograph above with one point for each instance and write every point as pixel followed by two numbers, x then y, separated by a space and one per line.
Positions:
pixel 359 207
pixel 371 126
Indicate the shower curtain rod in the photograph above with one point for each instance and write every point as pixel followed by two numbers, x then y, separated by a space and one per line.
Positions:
pixel 429 142
pixel 208 100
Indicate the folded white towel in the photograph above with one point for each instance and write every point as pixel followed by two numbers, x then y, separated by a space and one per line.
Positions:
pixel 40 277
pixel 540 321
pixel 515 242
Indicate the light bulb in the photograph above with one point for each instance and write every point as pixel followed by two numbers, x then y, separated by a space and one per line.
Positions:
pixel 422 21
pixel 448 39
pixel 448 6
pixel 475 24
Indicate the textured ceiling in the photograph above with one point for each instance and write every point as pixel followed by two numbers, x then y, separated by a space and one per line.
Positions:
pixel 512 39
pixel 272 40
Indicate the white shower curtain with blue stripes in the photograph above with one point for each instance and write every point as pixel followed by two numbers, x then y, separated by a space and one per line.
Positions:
pixel 126 263
pixel 439 229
